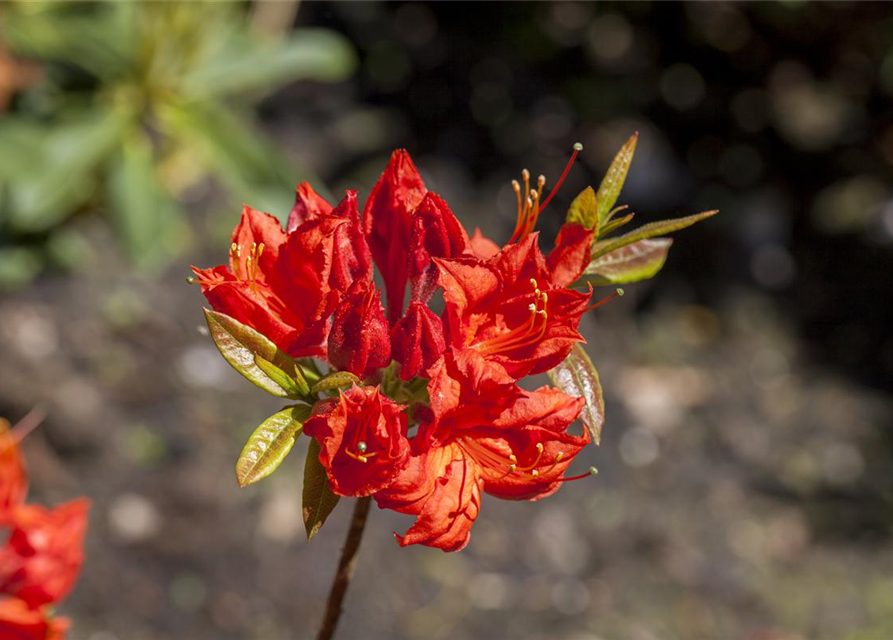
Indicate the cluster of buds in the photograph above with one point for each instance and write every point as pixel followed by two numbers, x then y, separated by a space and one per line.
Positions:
pixel 423 410
pixel 43 554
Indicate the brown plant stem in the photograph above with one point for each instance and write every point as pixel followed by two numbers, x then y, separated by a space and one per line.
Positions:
pixel 345 569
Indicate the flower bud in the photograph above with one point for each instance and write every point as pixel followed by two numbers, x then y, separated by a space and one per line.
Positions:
pixel 359 340
pixel 436 233
pixel 417 340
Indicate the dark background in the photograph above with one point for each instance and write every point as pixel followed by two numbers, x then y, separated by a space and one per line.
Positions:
pixel 744 487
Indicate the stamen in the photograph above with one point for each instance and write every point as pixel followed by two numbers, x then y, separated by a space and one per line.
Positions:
pixel 618 293
pixel 235 252
pixel 523 335
pixel 577 149
pixel 592 472
pixel 539 450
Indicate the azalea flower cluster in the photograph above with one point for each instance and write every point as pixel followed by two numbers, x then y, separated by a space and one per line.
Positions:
pixel 41 559
pixel 421 410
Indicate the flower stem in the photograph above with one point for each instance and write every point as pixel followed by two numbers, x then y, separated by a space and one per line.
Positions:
pixel 345 569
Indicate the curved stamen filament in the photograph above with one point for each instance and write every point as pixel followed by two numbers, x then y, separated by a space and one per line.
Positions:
pixel 524 335
pixel 618 293
pixel 528 205
pixel 492 461
pixel 577 149
pixel 592 472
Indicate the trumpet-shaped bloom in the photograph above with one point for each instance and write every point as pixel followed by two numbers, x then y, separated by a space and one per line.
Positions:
pixel 489 436
pixel 362 439
pixel 511 309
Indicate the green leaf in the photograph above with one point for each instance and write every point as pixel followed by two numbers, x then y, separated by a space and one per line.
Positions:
pixel 334 381
pixel 637 261
pixel 615 224
pixel 316 54
pixel 296 387
pixel 318 499
pixel 584 209
pixel 609 189
pixel 150 222
pixel 270 443
pixel 245 161
pixel 67 158
pixel 650 230
pixel 240 345
pixel 577 377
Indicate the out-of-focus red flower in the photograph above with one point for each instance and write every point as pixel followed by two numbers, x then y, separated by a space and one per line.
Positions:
pixel 510 308
pixel 13 476
pixel 387 225
pixel 40 562
pixel 308 205
pixel 362 438
pixel 436 233
pixel 488 435
pixel 18 621
pixel 360 341
pixel 417 340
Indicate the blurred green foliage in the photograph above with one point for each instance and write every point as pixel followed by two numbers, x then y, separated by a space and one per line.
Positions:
pixel 138 102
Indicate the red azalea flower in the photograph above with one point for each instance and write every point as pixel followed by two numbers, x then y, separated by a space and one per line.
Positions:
pixel 40 562
pixel 18 621
pixel 387 224
pixel 488 435
pixel 359 341
pixel 511 309
pixel 362 438
pixel 287 285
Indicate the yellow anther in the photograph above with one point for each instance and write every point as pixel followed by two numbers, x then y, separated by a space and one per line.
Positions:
pixel 533 283
pixel 513 458
pixel 516 186
pixel 534 473
pixel 512 468
pixel 525 174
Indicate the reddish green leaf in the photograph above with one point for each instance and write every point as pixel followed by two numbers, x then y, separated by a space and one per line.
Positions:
pixel 334 381
pixel 269 444
pixel 584 209
pixel 242 346
pixel 650 230
pixel 318 499
pixel 634 262
pixel 615 224
pixel 609 189
pixel 577 377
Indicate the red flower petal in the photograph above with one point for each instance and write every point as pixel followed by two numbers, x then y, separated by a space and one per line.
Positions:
pixel 308 205
pixel 570 256
pixel 386 223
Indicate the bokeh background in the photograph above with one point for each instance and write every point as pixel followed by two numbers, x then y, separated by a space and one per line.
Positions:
pixel 745 486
